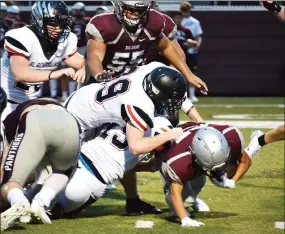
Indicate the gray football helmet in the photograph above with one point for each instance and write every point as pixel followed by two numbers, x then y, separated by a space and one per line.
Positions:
pixel 210 149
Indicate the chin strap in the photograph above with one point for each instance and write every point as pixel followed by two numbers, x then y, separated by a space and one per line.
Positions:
pixel 273 7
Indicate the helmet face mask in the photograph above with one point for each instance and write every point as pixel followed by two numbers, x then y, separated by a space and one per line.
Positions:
pixel 48 17
pixel 132 14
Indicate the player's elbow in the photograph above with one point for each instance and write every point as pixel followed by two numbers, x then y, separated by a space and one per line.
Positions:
pixel 135 149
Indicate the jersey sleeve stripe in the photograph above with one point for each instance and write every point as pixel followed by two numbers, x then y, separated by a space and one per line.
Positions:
pixel 15 46
pixel 135 119
pixel 13 52
pixel 68 56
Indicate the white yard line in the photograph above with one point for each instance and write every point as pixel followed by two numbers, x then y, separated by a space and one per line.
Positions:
pixel 241 105
pixel 246 124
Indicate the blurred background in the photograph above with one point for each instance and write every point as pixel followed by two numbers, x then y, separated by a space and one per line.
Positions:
pixel 243 45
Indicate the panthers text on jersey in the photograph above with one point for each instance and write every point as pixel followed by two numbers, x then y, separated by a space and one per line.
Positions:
pixel 124 49
pixel 178 166
pixel 24 42
pixel 117 101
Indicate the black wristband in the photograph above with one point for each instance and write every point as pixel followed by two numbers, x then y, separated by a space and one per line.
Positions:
pixel 273 7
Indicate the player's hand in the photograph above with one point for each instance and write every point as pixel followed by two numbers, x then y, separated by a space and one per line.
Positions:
pixel 70 72
pixel 176 133
pixel 191 43
pixel 187 222
pixel 80 75
pixel 224 182
pixel 105 76
pixel 197 82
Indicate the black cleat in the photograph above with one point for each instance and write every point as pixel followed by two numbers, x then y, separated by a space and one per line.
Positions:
pixel 138 207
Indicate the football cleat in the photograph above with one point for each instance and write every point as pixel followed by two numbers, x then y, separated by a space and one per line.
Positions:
pixel 253 148
pixel 39 212
pixel 10 216
pixel 200 206
pixel 138 207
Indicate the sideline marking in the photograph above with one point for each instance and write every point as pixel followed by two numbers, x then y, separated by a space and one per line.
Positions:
pixel 241 105
pixel 249 116
pixel 280 225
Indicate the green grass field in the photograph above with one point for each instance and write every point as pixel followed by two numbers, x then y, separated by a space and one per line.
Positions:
pixel 252 207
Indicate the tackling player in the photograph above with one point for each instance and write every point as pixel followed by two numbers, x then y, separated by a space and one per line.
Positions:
pixel 122 38
pixel 32 59
pixel 58 141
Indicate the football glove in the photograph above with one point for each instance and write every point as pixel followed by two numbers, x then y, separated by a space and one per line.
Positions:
pixel 223 182
pixel 105 76
pixel 187 222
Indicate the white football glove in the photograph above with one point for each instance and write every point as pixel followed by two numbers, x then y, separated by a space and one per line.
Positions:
pixel 187 222
pixel 224 183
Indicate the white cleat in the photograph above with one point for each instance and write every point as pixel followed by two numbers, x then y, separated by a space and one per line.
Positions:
pixel 200 206
pixel 253 148
pixel 39 213
pixel 11 215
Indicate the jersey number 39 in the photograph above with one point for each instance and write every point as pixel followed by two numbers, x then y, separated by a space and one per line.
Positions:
pixel 112 90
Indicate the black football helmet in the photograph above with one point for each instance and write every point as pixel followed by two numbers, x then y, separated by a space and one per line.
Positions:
pixel 52 13
pixel 3 100
pixel 140 8
pixel 167 88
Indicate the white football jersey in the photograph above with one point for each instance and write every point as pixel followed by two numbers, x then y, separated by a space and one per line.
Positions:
pixel 117 101
pixel 109 152
pixel 24 42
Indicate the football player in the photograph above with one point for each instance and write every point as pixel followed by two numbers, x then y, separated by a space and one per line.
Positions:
pixel 201 150
pixel 58 140
pixel 121 38
pixel 32 59
pixel 275 8
pixel 104 159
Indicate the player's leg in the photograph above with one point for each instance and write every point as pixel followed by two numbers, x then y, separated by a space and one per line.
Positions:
pixel 21 160
pixel 63 138
pixel 191 191
pixel 259 139
pixel 71 201
pixel 134 205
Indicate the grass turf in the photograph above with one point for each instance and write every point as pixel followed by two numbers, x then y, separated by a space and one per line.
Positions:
pixel 252 207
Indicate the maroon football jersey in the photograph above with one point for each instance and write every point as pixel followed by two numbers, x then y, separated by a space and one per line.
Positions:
pixel 178 166
pixel 78 28
pixel 123 49
pixel 169 31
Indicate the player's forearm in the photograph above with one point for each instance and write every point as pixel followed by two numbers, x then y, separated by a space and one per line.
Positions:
pixel 30 75
pixel 174 58
pixel 94 65
pixel 147 144
pixel 178 205
pixel 243 167
pixel 195 116
pixel 77 61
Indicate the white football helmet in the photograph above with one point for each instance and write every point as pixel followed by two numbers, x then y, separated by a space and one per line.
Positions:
pixel 210 149
pixel 140 8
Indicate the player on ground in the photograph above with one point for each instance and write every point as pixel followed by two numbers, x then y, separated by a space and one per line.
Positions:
pixel 58 141
pixel 275 8
pixel 34 58
pixel 121 38
pixel 183 177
